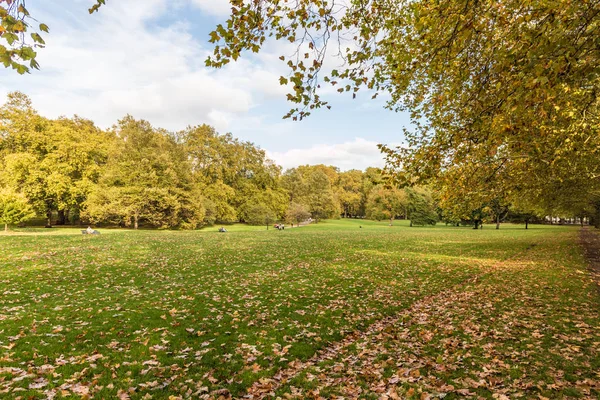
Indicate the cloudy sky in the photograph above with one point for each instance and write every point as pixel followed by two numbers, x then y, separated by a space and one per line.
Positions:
pixel 146 58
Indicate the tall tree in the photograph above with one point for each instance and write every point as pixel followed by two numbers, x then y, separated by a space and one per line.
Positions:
pixel 53 162
pixel 349 192
pixel 147 179
pixel 232 173
pixel 320 199
pixel 421 206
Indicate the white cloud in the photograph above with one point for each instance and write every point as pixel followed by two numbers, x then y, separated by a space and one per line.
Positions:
pixel 219 8
pixel 122 60
pixel 357 154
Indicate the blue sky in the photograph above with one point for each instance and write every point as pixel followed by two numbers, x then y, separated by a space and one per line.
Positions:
pixel 146 58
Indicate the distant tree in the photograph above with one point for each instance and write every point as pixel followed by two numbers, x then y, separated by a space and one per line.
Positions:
pixel 53 162
pixel 348 188
pixel 499 209
pixel 221 196
pixel 232 173
pixel 147 179
pixel 259 214
pixel 320 199
pixel 421 207
pixel 14 208
pixel 297 213
pixel 386 203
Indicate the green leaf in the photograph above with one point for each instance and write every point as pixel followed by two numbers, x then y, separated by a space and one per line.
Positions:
pixel 21 69
pixel 37 38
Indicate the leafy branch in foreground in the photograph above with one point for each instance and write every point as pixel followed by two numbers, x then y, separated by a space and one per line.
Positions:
pixel 17 27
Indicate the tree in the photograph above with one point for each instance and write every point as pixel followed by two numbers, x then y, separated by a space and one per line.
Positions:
pixel 297 213
pixel 320 199
pixel 386 203
pixel 496 85
pixel 421 207
pixel 53 162
pixel 259 214
pixel 349 192
pixel 14 208
pixel 232 173
pixel 147 179
pixel 493 85
pixel 312 186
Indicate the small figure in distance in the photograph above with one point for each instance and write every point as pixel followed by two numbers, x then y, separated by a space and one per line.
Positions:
pixel 360 226
pixel 221 229
pixel 90 231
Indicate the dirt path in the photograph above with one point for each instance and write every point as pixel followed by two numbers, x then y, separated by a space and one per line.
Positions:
pixel 590 240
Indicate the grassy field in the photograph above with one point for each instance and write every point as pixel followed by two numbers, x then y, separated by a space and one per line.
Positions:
pixel 332 310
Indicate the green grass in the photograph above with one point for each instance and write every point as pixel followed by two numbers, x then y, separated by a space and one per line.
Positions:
pixel 186 314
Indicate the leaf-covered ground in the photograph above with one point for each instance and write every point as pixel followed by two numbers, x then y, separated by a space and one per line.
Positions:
pixel 325 311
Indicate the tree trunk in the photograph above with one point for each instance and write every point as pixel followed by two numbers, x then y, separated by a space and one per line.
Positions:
pixel 526 224
pixel 411 223
pixel 135 221
pixel 498 221
pixel 61 217
pixel 391 220
pixel 5 227
pixel 476 224
pixel 49 218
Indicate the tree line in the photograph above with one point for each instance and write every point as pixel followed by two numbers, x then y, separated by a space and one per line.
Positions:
pixel 69 171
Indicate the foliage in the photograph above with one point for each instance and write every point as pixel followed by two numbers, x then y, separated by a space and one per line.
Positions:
pixel 259 214
pixel 297 213
pixel 16 27
pixel 495 89
pixel 53 162
pixel 146 180
pixel 313 186
pixel 386 203
pixel 421 207
pixel 14 208
pixel 349 192
pixel 232 173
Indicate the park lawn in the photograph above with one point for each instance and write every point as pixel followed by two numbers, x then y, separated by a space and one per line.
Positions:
pixel 410 312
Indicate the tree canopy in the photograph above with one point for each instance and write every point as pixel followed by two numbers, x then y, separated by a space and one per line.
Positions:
pixel 502 93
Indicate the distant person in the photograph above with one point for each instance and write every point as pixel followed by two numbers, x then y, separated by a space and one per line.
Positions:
pixel 221 229
pixel 90 231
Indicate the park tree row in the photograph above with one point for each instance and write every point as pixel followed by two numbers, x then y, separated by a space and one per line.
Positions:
pixel 68 170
